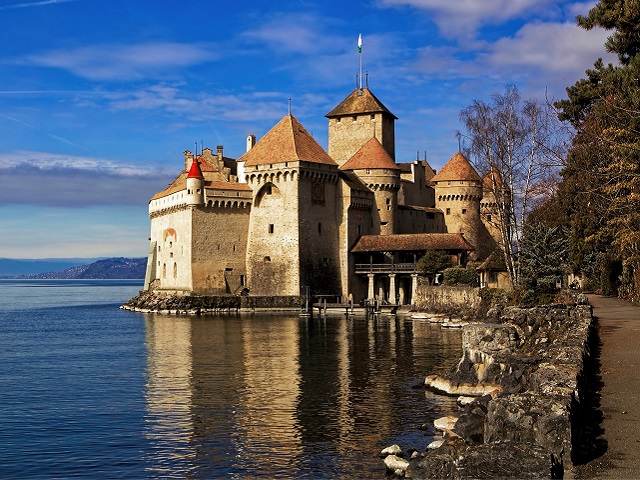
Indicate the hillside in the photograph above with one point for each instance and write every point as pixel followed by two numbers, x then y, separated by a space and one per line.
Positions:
pixel 11 267
pixel 109 268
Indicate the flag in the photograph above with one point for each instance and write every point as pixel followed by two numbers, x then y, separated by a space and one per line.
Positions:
pixel 360 43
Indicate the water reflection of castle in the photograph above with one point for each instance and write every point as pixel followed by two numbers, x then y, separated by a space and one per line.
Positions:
pixel 270 394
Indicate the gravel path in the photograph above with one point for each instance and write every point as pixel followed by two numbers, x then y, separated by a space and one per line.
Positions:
pixel 618 452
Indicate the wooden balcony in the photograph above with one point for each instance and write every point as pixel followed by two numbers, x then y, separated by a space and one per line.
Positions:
pixel 364 268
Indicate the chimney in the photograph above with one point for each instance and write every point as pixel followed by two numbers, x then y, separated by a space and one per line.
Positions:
pixel 219 151
pixel 251 141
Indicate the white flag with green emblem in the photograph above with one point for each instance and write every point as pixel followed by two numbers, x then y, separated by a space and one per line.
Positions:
pixel 360 43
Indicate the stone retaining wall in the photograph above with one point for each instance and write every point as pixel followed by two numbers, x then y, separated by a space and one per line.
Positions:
pixel 457 301
pixel 532 362
pixel 169 303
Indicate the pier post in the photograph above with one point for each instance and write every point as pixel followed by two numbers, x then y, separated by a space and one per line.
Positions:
pixel 371 292
pixel 392 288
pixel 414 287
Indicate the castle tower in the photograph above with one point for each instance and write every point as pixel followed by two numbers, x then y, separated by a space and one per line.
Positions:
pixel 293 231
pixel 458 189
pixel 195 184
pixel 375 167
pixel 355 120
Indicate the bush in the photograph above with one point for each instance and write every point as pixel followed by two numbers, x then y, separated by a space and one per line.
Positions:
pixel 460 276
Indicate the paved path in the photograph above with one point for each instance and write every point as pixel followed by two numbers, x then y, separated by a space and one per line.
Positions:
pixel 619 327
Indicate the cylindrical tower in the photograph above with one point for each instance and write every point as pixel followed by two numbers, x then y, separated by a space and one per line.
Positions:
pixel 377 170
pixel 195 184
pixel 458 191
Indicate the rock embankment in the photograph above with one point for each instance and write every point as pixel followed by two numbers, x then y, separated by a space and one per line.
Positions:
pixel 168 303
pixel 524 368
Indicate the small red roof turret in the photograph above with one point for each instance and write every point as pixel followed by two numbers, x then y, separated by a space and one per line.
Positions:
pixel 195 171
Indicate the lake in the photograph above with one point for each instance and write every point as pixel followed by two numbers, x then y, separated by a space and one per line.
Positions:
pixel 92 391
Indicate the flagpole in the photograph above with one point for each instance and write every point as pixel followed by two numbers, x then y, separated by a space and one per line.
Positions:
pixel 360 54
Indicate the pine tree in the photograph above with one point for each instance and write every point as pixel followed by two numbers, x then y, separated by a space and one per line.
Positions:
pixel 601 180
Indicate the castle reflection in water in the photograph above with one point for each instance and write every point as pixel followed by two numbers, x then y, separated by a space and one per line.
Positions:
pixel 277 395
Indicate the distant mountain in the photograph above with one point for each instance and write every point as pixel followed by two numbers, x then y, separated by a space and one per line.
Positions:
pixel 108 268
pixel 11 267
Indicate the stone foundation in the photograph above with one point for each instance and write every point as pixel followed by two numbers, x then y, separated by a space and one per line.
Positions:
pixel 170 303
pixel 528 363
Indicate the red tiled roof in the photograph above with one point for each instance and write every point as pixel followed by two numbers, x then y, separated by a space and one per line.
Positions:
pixel 458 168
pixel 287 141
pixel 227 186
pixel 371 155
pixel 195 171
pixel 359 101
pixel 411 242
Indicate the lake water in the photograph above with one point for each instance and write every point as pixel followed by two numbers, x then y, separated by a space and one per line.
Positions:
pixel 91 391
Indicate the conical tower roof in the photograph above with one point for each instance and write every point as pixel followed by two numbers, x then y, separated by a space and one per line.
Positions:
pixel 287 141
pixel 458 168
pixel 195 171
pixel 361 100
pixel 371 155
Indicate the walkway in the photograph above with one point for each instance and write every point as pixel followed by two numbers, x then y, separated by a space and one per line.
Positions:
pixel 619 327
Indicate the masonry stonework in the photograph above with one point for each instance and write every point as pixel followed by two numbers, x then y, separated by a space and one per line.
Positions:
pixel 288 216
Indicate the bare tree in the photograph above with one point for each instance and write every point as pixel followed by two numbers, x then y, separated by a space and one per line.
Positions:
pixel 521 145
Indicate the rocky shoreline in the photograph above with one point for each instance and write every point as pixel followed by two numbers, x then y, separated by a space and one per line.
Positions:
pixel 168 303
pixel 522 375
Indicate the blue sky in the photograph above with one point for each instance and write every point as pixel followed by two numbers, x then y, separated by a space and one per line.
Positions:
pixel 99 98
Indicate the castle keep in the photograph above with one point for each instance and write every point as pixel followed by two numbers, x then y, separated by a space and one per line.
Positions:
pixel 288 215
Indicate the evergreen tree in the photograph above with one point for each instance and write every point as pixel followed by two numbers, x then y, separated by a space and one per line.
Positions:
pixel 543 258
pixel 601 180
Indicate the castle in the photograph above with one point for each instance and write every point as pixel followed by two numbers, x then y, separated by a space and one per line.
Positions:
pixel 288 217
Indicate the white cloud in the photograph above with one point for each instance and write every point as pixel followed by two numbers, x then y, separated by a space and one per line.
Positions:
pixel 34 4
pixel 461 18
pixel 78 182
pixel 125 62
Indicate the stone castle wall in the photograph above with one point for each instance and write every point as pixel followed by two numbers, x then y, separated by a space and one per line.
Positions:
pixel 349 133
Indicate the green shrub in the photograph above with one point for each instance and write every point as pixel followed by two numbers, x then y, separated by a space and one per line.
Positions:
pixel 460 276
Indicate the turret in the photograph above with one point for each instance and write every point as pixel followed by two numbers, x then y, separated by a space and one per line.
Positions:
pixel 355 120
pixel 458 189
pixel 375 167
pixel 195 184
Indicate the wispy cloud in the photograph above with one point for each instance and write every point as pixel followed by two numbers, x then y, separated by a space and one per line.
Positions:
pixel 125 62
pixel 461 18
pixel 75 182
pixel 34 4
pixel 55 137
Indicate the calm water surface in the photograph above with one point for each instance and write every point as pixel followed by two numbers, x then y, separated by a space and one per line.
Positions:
pixel 91 391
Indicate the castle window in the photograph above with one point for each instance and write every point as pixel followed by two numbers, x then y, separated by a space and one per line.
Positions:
pixel 242 280
pixel 488 218
pixel 338 120
pixel 175 270
pixel 267 258
pixel 464 210
pixel 234 247
pixel 448 211
pixel 355 119
pixel 171 255
pixel 388 204
pixel 271 228
pixel 164 270
pixel 319 228
pixel 267 190
pixel 170 244
pixel 359 229
pixel 373 116
pixel 368 171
